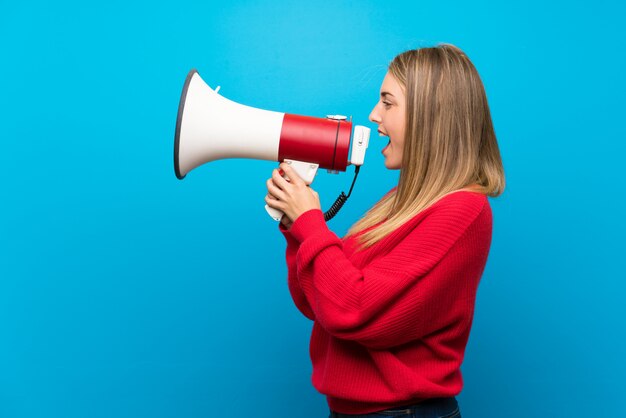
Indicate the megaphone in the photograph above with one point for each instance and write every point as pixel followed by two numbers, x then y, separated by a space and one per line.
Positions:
pixel 210 127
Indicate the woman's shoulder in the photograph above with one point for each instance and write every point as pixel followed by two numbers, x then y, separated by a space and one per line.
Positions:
pixel 463 198
pixel 447 218
pixel 458 204
pixel 461 207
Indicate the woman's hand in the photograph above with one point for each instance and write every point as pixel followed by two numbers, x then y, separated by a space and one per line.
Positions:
pixel 292 197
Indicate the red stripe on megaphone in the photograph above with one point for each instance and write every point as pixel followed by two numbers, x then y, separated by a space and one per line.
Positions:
pixel 316 140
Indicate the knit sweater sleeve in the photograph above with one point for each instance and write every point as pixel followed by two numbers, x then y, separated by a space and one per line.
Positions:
pixel 297 294
pixel 395 298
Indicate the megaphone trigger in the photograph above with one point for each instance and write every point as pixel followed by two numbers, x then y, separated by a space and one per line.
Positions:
pixel 306 171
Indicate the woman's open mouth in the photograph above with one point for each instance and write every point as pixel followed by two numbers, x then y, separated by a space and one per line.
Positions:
pixel 386 146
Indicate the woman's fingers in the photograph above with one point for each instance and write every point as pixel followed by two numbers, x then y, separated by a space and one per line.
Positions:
pixel 273 190
pixel 279 180
pixel 272 202
pixel 293 176
pixel 292 197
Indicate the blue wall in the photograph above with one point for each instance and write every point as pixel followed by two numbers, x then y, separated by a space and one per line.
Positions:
pixel 125 292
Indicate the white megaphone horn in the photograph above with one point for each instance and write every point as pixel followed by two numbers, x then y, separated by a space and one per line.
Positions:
pixel 210 127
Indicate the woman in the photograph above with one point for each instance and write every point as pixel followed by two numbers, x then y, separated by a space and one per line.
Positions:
pixel 393 301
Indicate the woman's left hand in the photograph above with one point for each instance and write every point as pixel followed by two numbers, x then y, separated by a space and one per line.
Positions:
pixel 292 197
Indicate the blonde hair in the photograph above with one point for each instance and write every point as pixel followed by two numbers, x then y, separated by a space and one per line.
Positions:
pixel 450 143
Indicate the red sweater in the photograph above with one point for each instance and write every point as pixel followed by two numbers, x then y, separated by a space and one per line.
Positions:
pixel 391 321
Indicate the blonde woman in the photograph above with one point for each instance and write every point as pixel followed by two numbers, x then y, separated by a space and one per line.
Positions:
pixel 393 301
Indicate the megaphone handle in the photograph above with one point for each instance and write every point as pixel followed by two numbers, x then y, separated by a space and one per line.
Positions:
pixel 274 213
pixel 306 171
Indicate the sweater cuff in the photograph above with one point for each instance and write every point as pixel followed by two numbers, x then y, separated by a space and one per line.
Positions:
pixel 309 223
pixel 287 234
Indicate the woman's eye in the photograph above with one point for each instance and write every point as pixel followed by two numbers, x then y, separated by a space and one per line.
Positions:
pixel 387 104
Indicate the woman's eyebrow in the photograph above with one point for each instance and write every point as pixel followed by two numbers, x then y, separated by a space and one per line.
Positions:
pixel 385 93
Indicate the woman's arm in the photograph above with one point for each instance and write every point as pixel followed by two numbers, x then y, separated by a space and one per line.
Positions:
pixel 292 281
pixel 397 297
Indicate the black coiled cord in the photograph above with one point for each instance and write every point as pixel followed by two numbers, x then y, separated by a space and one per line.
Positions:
pixel 334 208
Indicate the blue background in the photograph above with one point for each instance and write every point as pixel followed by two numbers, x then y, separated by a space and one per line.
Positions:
pixel 125 292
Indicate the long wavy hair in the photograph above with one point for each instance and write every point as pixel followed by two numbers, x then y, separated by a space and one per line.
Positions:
pixel 450 143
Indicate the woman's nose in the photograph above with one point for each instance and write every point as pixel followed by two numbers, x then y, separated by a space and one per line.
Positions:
pixel 374 116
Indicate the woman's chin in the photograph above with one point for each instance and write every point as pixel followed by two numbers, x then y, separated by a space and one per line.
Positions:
pixel 390 165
